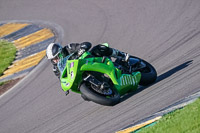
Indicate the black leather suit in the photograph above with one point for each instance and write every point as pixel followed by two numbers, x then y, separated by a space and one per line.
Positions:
pixel 98 50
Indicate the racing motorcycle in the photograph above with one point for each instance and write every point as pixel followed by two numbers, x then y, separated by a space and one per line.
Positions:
pixel 104 80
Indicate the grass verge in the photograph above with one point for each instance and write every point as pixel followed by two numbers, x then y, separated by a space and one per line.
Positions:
pixel 185 120
pixel 7 55
pixel 3 83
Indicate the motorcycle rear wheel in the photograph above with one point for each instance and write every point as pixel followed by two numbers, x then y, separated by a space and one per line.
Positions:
pixel 149 74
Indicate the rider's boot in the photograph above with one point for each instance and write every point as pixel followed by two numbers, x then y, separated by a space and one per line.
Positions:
pixel 118 54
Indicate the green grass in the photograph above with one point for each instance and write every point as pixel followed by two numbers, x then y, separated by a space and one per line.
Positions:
pixel 2 83
pixel 7 55
pixel 186 120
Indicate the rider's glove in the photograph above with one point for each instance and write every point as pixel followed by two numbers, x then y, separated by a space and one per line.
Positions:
pixel 56 71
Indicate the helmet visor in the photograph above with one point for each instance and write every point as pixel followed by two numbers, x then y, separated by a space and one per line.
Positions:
pixel 57 58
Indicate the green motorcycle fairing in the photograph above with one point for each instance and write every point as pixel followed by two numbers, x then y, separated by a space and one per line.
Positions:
pixel 72 73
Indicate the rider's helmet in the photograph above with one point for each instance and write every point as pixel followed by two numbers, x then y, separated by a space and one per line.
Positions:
pixel 54 52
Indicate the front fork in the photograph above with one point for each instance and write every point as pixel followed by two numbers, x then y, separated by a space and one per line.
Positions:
pixel 98 86
pixel 91 79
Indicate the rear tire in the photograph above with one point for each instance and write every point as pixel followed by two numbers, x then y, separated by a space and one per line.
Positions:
pixel 90 94
pixel 149 74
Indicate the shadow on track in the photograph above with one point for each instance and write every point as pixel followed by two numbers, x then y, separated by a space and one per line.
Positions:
pixel 159 78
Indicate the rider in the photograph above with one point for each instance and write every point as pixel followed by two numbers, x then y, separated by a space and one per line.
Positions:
pixel 55 51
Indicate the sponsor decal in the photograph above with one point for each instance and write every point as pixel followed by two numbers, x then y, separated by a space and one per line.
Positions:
pixel 67 84
pixel 72 74
pixel 72 65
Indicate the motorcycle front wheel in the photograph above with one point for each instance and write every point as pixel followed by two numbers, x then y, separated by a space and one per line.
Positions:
pixel 91 95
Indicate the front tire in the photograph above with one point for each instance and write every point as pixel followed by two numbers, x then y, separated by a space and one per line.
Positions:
pixel 90 94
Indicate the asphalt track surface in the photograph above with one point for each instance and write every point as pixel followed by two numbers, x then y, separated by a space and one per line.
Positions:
pixel 164 32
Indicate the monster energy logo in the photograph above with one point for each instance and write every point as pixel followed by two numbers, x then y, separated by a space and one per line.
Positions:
pixel 127 80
